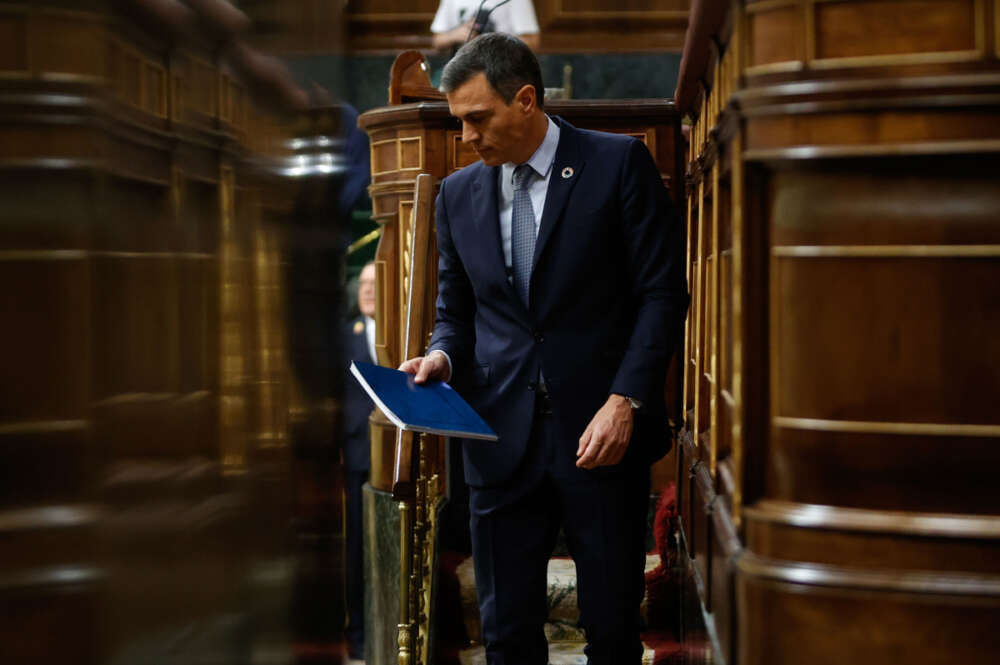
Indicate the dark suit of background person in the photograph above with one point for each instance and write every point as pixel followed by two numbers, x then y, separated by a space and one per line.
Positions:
pixel 357 456
pixel 607 299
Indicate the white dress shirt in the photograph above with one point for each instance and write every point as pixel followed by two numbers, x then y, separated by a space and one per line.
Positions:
pixel 516 17
pixel 538 187
pixel 541 163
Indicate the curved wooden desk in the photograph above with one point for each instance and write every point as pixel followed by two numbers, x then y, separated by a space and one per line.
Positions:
pixel 842 425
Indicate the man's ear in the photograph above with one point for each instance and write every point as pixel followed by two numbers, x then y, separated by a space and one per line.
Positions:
pixel 525 97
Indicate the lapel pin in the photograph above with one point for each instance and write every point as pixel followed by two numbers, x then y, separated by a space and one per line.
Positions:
pixel 358 327
pixel 567 172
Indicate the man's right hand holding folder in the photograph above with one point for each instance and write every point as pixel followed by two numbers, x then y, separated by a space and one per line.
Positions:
pixel 435 366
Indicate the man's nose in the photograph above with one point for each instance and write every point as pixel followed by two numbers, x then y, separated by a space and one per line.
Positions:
pixel 469 135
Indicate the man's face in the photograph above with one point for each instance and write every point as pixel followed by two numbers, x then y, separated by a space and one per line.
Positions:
pixel 495 130
pixel 366 291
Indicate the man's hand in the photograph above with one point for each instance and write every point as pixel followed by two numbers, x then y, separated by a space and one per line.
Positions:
pixel 433 367
pixel 606 438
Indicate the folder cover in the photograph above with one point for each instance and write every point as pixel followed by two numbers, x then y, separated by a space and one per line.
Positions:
pixel 434 408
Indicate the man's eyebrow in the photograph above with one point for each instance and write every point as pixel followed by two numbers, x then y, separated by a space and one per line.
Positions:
pixel 475 113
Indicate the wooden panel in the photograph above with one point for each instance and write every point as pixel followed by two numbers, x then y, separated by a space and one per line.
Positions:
pixel 874 540
pixel 416 10
pixel 411 153
pixel 33 614
pixel 46 462
pixel 725 550
pixel 776 36
pixel 13 42
pixel 385 156
pixel 860 338
pixel 601 13
pixel 887 470
pixel 872 129
pixel 858 29
pixel 109 282
pixel 130 77
pixel 703 532
pixel 386 26
pixel 624 7
pixel 840 623
pixel 566 27
pixel 600 25
pixel 45 336
pixel 154 87
pixel 67 45
pixel 21 141
pixel 897 373
pixel 461 153
pixel 939 202
pixel 996 27
pixel 202 91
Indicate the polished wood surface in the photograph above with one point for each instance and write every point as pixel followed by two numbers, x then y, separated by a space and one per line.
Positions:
pixel 841 368
pixel 145 445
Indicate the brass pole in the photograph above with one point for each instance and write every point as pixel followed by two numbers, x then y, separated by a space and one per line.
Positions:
pixel 404 637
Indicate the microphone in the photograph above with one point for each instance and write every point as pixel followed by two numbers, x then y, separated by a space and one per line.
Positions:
pixel 480 24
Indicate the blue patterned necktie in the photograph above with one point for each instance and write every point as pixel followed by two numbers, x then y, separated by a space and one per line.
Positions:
pixel 522 232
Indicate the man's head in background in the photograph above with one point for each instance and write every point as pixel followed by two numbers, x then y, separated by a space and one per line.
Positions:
pixel 366 290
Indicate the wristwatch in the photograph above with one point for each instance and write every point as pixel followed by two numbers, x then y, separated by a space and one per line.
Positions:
pixel 633 402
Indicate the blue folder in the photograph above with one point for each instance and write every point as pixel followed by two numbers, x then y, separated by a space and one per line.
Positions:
pixel 434 408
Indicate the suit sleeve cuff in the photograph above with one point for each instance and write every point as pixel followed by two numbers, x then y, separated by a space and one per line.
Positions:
pixel 447 359
pixel 635 402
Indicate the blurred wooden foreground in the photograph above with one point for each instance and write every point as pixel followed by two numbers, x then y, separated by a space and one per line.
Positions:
pixel 837 476
pixel 156 403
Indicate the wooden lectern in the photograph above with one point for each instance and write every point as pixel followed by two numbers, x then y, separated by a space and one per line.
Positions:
pixel 837 476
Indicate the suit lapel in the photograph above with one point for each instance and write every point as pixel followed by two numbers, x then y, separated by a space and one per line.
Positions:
pixel 487 223
pixel 566 171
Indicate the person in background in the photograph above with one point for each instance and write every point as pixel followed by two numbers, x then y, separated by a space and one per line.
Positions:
pixel 359 344
pixel 455 21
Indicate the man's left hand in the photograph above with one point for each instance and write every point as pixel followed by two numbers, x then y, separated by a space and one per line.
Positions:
pixel 606 438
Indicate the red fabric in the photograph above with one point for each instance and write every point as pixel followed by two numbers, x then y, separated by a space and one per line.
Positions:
pixel 661 582
pixel 664 520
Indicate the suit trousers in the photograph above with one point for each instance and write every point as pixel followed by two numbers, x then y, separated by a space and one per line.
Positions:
pixel 514 529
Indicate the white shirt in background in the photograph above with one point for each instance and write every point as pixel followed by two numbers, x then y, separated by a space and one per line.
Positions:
pixel 517 17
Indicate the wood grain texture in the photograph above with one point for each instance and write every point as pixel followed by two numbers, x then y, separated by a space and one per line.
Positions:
pixel 856 143
pixel 112 228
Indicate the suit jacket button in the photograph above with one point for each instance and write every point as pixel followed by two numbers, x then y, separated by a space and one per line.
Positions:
pixel 539 337
pixel 531 385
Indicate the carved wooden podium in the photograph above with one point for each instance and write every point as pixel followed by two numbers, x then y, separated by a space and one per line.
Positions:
pixel 415 140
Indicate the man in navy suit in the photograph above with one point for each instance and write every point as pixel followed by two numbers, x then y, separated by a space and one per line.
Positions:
pixel 561 294
pixel 360 345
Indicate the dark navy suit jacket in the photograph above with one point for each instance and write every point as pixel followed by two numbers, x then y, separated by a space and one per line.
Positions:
pixel 608 295
pixel 357 405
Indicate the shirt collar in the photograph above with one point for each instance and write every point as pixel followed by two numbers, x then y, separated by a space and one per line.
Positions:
pixel 545 155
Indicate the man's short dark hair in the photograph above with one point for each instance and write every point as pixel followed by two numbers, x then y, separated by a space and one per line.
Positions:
pixel 508 63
